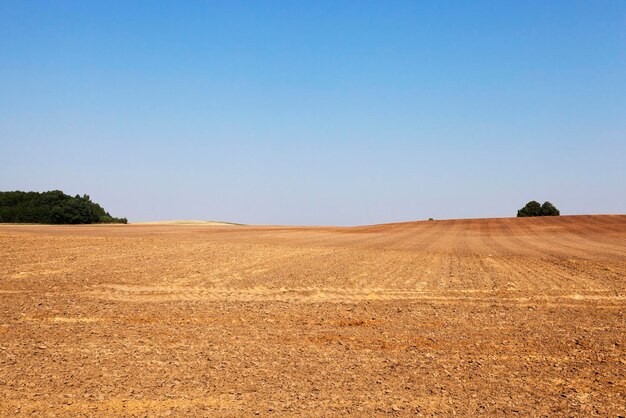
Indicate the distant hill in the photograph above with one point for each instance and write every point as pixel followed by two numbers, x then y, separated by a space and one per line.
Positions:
pixel 53 207
pixel 188 222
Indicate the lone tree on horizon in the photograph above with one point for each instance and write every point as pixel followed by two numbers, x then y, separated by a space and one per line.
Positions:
pixel 533 208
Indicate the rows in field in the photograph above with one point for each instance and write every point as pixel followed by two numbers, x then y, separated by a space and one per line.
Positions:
pixel 537 256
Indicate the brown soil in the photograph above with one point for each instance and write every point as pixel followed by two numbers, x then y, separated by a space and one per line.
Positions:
pixel 466 317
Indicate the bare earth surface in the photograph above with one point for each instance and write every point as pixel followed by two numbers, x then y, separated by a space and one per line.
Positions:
pixel 493 316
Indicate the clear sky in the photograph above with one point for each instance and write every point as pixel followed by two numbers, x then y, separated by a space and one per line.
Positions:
pixel 338 112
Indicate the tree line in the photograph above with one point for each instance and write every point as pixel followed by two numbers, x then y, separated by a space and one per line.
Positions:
pixel 52 207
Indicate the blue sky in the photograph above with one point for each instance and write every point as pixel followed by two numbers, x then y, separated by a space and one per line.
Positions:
pixel 334 112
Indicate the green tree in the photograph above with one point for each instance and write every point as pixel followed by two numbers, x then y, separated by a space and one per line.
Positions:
pixel 548 209
pixel 533 208
pixel 52 207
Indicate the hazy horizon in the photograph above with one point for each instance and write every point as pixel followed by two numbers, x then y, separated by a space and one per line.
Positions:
pixel 316 114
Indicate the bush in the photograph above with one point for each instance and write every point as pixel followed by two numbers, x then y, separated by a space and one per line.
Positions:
pixel 533 208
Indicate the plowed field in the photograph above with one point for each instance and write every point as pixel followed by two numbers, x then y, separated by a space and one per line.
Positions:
pixel 485 316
